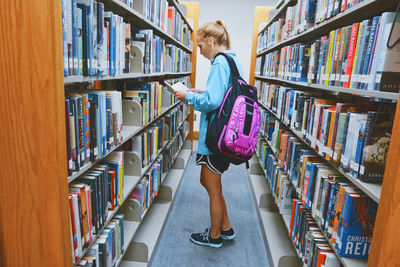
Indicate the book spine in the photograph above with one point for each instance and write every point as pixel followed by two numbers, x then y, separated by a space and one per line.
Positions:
pixel 75 46
pixel 332 40
pixel 101 40
pixel 64 35
pixel 369 51
pixel 68 136
pixel 350 59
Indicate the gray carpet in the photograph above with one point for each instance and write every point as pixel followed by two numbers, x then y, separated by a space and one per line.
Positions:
pixel 190 213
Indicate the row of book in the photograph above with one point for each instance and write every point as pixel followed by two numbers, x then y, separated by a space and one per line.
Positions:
pixel 147 189
pixel 355 138
pixel 156 55
pixel 283 193
pixel 354 56
pixel 300 17
pixel 152 97
pixel 98 42
pixel 93 126
pixel 99 191
pixel 149 142
pixel 91 197
pixel 109 246
pixel 310 251
pixel 336 207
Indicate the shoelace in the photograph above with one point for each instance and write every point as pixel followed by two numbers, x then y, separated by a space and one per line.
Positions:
pixel 205 234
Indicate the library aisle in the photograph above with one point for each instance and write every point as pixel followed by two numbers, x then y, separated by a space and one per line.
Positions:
pixel 190 214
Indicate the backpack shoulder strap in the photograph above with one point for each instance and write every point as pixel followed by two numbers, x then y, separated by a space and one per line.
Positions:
pixel 231 63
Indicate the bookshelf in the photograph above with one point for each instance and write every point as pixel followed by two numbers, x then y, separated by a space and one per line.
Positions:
pixel 332 89
pixel 384 242
pixel 127 133
pixel 372 190
pixel 260 15
pixel 364 9
pixel 133 16
pixel 125 76
pixel 149 224
pixel 347 262
pixel 33 135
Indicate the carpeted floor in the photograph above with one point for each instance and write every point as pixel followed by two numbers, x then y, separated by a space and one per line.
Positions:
pixel 190 213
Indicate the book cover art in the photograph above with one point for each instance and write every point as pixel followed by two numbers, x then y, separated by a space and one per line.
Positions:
pixel 376 146
pixel 388 75
pixel 356 227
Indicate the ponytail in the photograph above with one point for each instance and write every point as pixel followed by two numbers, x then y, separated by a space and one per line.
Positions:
pixel 216 29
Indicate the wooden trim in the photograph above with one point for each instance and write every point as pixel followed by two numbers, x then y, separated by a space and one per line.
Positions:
pixel 385 246
pixel 192 12
pixel 260 15
pixel 195 135
pixel 34 215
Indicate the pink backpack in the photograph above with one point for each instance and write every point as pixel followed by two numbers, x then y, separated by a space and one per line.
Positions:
pixel 233 132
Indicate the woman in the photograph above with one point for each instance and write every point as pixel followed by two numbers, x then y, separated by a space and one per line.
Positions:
pixel 212 38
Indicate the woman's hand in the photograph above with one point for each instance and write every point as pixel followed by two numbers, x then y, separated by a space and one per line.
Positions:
pixel 180 94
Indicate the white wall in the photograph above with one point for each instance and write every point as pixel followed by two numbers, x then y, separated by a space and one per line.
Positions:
pixel 238 16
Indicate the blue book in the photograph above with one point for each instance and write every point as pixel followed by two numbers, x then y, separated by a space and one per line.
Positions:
pixel 94 37
pixel 109 130
pixel 113 42
pixel 356 226
pixel 95 97
pixel 120 218
pixel 103 120
pixel 366 28
pixel 89 36
pixel 101 41
pixel 369 52
pixel 75 46
pixel 355 162
pixel 80 40
pixel 291 106
pixel 311 183
pixel 64 35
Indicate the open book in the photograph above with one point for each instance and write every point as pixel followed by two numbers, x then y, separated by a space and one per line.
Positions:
pixel 176 87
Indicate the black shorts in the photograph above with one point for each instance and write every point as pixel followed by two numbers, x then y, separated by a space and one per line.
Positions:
pixel 215 164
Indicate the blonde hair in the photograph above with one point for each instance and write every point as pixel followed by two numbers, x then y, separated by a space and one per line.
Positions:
pixel 217 30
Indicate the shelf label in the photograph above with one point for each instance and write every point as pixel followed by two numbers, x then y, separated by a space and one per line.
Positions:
pixel 378 77
pixel 362 169
pixel 344 160
pixel 330 230
pixel 70 164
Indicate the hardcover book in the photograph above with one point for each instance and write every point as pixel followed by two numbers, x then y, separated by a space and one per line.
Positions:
pixel 376 146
